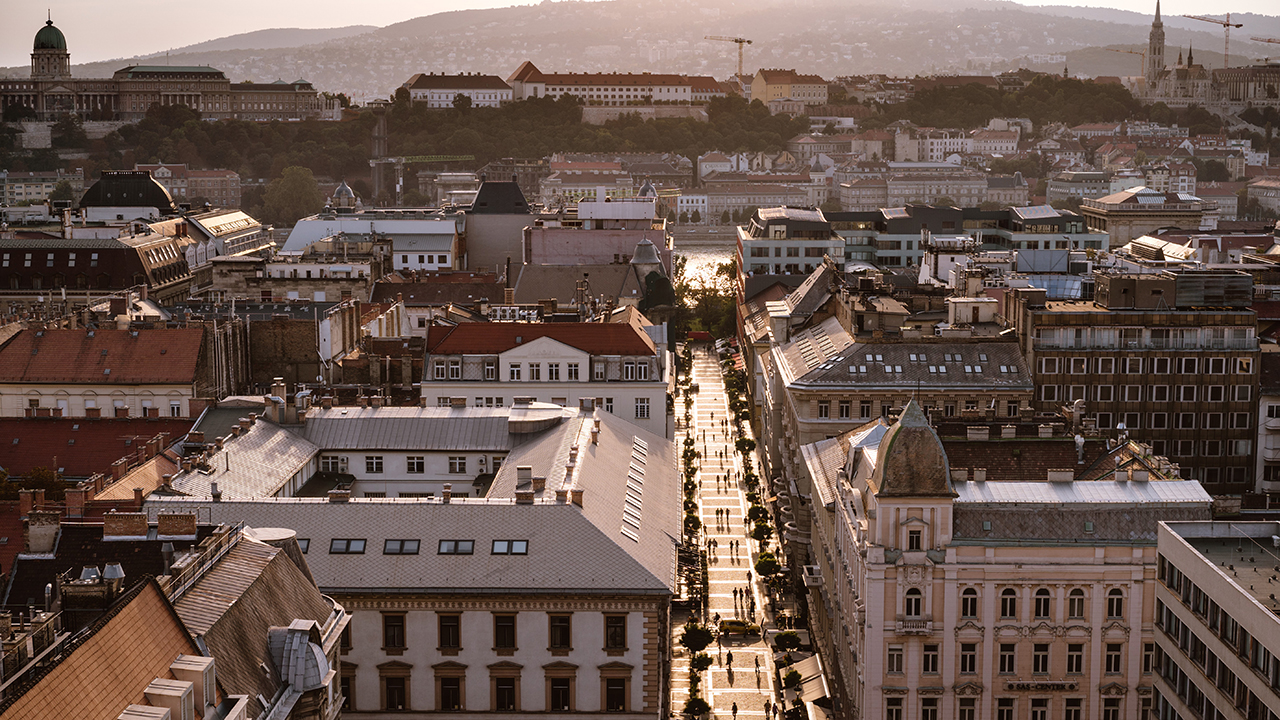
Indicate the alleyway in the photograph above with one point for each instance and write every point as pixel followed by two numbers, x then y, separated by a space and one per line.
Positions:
pixel 724 505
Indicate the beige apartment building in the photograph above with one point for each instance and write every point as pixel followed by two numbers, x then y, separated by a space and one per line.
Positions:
pixel 1022 589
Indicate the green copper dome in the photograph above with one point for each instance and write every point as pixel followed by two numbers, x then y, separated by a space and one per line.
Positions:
pixel 50 38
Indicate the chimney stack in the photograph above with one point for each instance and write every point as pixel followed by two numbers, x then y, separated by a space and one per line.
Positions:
pixel 539 484
pixel 76 500
pixel 339 496
pixel 524 497
pixel 562 496
pixel 446 494
pixel 577 497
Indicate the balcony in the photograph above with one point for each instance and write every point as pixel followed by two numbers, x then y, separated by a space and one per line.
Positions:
pixel 812 576
pixel 914 626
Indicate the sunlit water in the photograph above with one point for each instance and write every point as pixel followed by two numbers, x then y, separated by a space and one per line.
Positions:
pixel 703 252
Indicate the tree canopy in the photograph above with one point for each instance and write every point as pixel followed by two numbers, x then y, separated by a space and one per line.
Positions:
pixel 294 195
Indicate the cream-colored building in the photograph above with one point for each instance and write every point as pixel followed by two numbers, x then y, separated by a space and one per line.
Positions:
pixel 774 84
pixel 1020 589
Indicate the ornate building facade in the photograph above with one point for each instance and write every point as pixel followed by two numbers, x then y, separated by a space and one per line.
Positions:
pixel 52 92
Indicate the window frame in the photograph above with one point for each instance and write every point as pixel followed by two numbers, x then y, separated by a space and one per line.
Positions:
pixel 347 546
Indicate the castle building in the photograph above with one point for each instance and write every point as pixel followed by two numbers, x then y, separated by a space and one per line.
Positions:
pixel 52 92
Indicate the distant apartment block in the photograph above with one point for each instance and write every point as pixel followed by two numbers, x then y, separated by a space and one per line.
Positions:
pixel 775 84
pixel 34 187
pixel 220 188
pixel 612 89
pixel 440 91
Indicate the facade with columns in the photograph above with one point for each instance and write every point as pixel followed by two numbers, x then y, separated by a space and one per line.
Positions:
pixel 52 92
pixel 975 593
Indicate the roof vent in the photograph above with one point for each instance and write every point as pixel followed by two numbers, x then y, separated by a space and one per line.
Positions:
pixel 90 573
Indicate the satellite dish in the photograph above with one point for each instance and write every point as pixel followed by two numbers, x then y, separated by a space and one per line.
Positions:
pixel 319 378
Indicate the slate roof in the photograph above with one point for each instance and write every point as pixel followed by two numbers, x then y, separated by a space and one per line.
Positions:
pixel 256 464
pixel 496 197
pixel 414 428
pixel 167 356
pixel 912 462
pixel 82 446
pixel 127 188
pixel 571 548
pixel 494 338
pixel 826 458
pixel 614 281
pixel 252 588
pixel 440 290
pixel 814 291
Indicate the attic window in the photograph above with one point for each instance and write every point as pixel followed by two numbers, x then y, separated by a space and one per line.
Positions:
pixel 164 350
pixel 400 547
pixel 106 371
pixel 35 351
pixel 342 546
pixel 1088 527
pixel 15 441
pixel 71 441
pixel 510 547
pixel 104 352
pixel 456 547
pixel 986 525
pixel 303 544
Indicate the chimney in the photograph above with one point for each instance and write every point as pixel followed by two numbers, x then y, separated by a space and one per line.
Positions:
pixel 457 403
pixel 187 465
pixel 326 402
pixel 124 526
pixel 577 497
pixel 540 483
pixel 979 432
pixel 253 417
pixel 595 436
pixel 176 524
pixel 219 442
pixel 196 437
pixel 446 493
pixel 26 503
pixel 40 532
pixel 524 497
pixel 1008 431
pixel 524 475
pixel 960 475
pixel 1046 431
pixel 235 431
pixel 166 551
pixel 76 499
pixel 137 497
pixel 361 402
pixel 339 496
pixel 1057 475
pixel 562 496
pixel 979 474
pixel 214 492
pixel 153 446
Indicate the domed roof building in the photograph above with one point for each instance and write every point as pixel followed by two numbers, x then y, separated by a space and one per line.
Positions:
pixel 344 196
pixel 913 462
pixel 50 59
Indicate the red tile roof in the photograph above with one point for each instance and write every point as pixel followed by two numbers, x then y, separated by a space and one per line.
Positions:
pixel 494 338
pixel 145 357
pixel 425 81
pixel 81 446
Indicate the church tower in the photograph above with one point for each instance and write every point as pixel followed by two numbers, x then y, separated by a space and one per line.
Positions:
pixel 1155 50
pixel 49 57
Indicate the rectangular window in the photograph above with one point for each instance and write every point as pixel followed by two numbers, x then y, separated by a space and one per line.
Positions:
pixel 560 631
pixel 400 547
pixel 1106 366
pixel 968 709
pixel 373 464
pixel 1159 421
pixel 456 547
pixel 455 369
pixel 929 709
pixel 1048 393
pixel 346 546
pixel 560 694
pixel 1040 658
pixel 895 660
pixel 1133 366
pixel 915 540
pixel 505 693
pixel 642 408
pixel 1240 393
pixel 968 658
pixel 1159 393
pixel 824 409
pixel 597 372
pixel 416 464
pixel 1186 393
pixel 1004 708
pixel 510 547
pixel 1244 366
pixel 629 371
pixel 504 631
pixel 393 630
pixel 615 694
pixel 864 409
pixel 457 464
pixel 535 371
pixel 439 369
pixel 1104 393
pixel 1113 657
pixel 1148 657
pixel 572 370
pixel 397 695
pixel 450 631
pixel 1008 657
pixel 553 371
pixel 490 370
pixel 1111 709
pixel 1049 366
pixel 1187 366
pixel 1075 659
pixel 1215 393
pixel 615 632
pixel 893 709
pixel 845 410
pixel 514 373
pixel 450 693
pixel 929 660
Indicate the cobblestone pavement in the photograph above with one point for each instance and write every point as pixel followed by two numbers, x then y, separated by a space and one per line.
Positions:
pixel 724 504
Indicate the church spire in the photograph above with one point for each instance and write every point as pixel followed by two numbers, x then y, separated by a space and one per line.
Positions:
pixel 1157 21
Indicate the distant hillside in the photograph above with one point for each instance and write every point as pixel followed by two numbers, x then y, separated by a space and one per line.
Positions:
pixel 274 38
pixel 828 37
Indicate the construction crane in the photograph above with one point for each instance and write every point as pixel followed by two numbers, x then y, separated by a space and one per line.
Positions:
pixel 1140 53
pixel 399 162
pixel 1273 41
pixel 1226 31
pixel 740 41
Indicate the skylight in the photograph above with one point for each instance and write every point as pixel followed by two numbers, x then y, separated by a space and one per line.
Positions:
pixel 510 547
pixel 400 547
pixel 345 546
pixel 456 547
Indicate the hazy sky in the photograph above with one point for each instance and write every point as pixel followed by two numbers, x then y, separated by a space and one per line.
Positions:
pixel 98 30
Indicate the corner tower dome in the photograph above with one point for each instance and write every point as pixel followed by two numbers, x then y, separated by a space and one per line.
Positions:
pixel 49 38
pixel 912 461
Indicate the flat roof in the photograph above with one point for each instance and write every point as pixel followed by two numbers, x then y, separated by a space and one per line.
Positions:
pixel 1073 493
pixel 1242 552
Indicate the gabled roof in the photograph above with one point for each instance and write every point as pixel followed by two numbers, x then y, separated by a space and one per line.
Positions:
pixel 166 356
pixel 419 428
pixel 495 338
pixel 258 463
pixel 425 81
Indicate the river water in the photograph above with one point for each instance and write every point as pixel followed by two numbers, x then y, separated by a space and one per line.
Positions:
pixel 704 251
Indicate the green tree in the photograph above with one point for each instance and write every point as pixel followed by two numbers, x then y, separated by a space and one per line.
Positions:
pixel 1215 171
pixel 792 679
pixel 461 102
pixel 696 637
pixel 67 132
pixel 40 478
pixel 671 217
pixel 63 191
pixel 725 218
pixel 767 565
pixel 944 201
pixel 696 707
pixel 696 217
pixel 292 196
pixel 684 216
pixel 787 640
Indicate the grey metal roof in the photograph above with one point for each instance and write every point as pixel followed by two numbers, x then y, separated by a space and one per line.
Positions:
pixel 1098 491
pixel 826 458
pixel 431 428
pixel 255 464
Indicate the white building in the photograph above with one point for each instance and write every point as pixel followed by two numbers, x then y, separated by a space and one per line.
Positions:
pixel 692 202
pixel 421 239
pixel 440 91
pixel 609 89
pixel 618 366
pixel 1216 628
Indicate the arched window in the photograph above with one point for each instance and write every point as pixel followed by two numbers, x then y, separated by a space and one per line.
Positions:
pixel 1042 604
pixel 1075 604
pixel 1115 603
pixel 969 603
pixel 915 600
pixel 1009 603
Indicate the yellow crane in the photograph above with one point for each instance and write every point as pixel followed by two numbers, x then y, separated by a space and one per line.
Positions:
pixel 1140 53
pixel 741 42
pixel 1226 30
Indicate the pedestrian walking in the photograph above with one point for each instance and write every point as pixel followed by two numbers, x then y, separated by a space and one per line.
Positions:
pixel 728 657
pixel 748 577
pixel 768 707
pixel 735 710
pixel 757 664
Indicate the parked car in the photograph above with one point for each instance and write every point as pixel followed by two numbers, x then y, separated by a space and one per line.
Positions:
pixel 730 626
